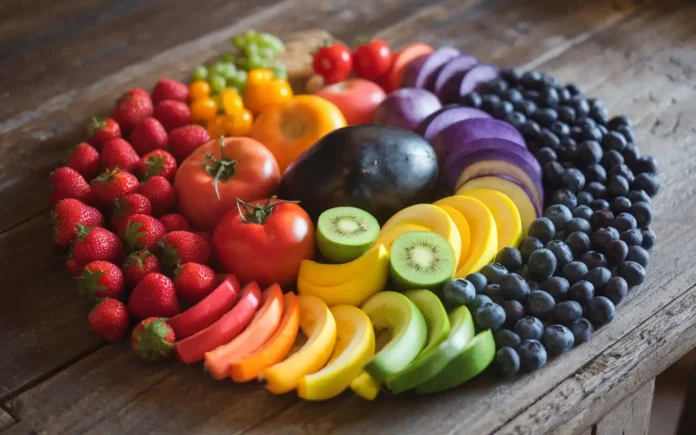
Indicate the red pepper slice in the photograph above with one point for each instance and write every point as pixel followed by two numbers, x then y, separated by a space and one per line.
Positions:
pixel 208 310
pixel 193 348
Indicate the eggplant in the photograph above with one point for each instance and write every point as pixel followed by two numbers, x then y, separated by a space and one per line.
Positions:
pixel 378 168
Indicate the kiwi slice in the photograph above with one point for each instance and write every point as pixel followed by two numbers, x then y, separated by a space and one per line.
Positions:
pixel 345 233
pixel 421 260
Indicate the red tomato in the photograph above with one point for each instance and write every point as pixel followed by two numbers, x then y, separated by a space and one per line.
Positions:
pixel 264 241
pixel 372 60
pixel 334 63
pixel 357 99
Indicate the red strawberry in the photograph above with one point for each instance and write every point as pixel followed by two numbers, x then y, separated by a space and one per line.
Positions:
pixel 153 339
pixel 112 184
pixel 128 205
pixel 68 183
pixel 184 140
pixel 67 215
pixel 158 162
pixel 175 222
pixel 100 132
pixel 193 282
pixel 154 296
pixel 109 319
pixel 84 159
pixel 172 114
pixel 141 232
pixel 149 135
pixel 94 243
pixel 119 153
pixel 161 194
pixel 100 279
pixel 169 89
pixel 133 106
pixel 179 247
pixel 138 265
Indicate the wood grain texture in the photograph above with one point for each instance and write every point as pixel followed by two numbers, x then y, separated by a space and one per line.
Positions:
pixel 6 419
pixel 630 417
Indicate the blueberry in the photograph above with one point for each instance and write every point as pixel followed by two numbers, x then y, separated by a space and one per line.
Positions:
pixel 590 151
pixel 517 119
pixel 632 272
pixel 560 129
pixel 582 330
pixel 478 280
pixel 533 285
pixel 528 245
pixel 547 138
pixel 514 287
pixel 559 214
pixel 638 195
pixel 523 271
pixel 502 110
pixel 579 224
pixel 513 95
pixel 561 251
pixel 497 86
pixel 600 310
pixel 459 292
pixel 583 211
pixel 530 129
pixel 632 237
pixel 649 238
pixel 592 134
pixel 601 219
pixel 490 316
pixel 566 114
pixel 619 205
pixel 599 205
pixel 540 304
pixel 615 289
pixel 505 337
pixel 529 328
pixel 616 250
pixel 601 238
pixel 532 355
pixel 622 171
pixel 620 120
pixel 581 292
pixel 639 255
pixel 574 271
pixel 478 301
pixel 514 311
pixel 472 99
pixel 493 292
pixel 494 272
pixel 542 264
pixel 611 158
pixel 597 189
pixel 549 97
pixel 512 75
pixel 584 198
pixel 647 182
pixel 596 173
pixel 614 141
pixel 567 312
pixel 594 259
pixel 598 277
pixel 581 106
pixel 618 186
pixel 553 173
pixel 642 213
pixel 545 155
pixel 599 114
pixel 507 361
pixel 545 117
pixel 489 101
pixel 578 242
pixel 510 258
pixel 557 287
pixel 631 148
pixel 558 339
pixel 564 197
pixel 645 164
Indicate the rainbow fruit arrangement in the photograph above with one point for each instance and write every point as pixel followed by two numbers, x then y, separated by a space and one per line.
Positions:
pixel 470 216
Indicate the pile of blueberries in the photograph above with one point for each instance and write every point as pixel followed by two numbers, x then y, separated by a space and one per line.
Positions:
pixel 589 249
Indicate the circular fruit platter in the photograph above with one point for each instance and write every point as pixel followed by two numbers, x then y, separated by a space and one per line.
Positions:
pixel 400 221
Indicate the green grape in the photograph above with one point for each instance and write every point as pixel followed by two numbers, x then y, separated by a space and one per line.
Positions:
pixel 251 49
pixel 266 53
pixel 272 42
pixel 217 83
pixel 259 62
pixel 218 69
pixel 239 41
pixel 242 64
pixel 280 71
pixel 228 58
pixel 200 73
pixel 229 70
pixel 239 80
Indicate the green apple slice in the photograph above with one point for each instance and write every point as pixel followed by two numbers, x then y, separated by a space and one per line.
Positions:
pixel 394 311
pixel 476 356
pixel 435 316
pixel 429 364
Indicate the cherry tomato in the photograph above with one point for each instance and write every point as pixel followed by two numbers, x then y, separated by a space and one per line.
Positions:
pixel 334 63
pixel 264 241
pixel 372 60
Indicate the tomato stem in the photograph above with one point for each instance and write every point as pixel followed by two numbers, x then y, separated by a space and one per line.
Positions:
pixel 253 213
pixel 220 169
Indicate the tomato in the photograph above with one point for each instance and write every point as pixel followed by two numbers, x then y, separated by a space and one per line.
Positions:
pixel 209 182
pixel 264 241
pixel 357 99
pixel 372 60
pixel 334 63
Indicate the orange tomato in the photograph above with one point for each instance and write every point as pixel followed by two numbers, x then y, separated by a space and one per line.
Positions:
pixel 259 97
pixel 289 129
pixel 357 99
pixel 209 182
pixel 216 126
pixel 203 110
pixel 231 101
pixel 199 89
pixel 238 123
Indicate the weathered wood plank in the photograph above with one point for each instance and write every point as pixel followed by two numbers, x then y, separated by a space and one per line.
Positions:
pixel 630 417
pixel 6 419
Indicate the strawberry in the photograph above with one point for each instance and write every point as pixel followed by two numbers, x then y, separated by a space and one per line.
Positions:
pixel 67 215
pixel 169 89
pixel 153 339
pixel 172 114
pixel 94 243
pixel 161 194
pixel 149 135
pixel 179 247
pixel 141 232
pixel 100 279
pixel 153 296
pixel 128 205
pixel 193 282
pixel 133 106
pixel 184 140
pixel 84 159
pixel 138 265
pixel 157 162
pixel 100 132
pixel 175 222
pixel 119 153
pixel 68 183
pixel 109 319
pixel 112 184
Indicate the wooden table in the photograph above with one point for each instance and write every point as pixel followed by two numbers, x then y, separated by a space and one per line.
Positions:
pixel 63 62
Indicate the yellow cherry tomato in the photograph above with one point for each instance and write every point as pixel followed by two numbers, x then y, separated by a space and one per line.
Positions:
pixel 258 77
pixel 239 123
pixel 216 126
pixel 199 89
pixel 259 98
pixel 231 102
pixel 203 110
